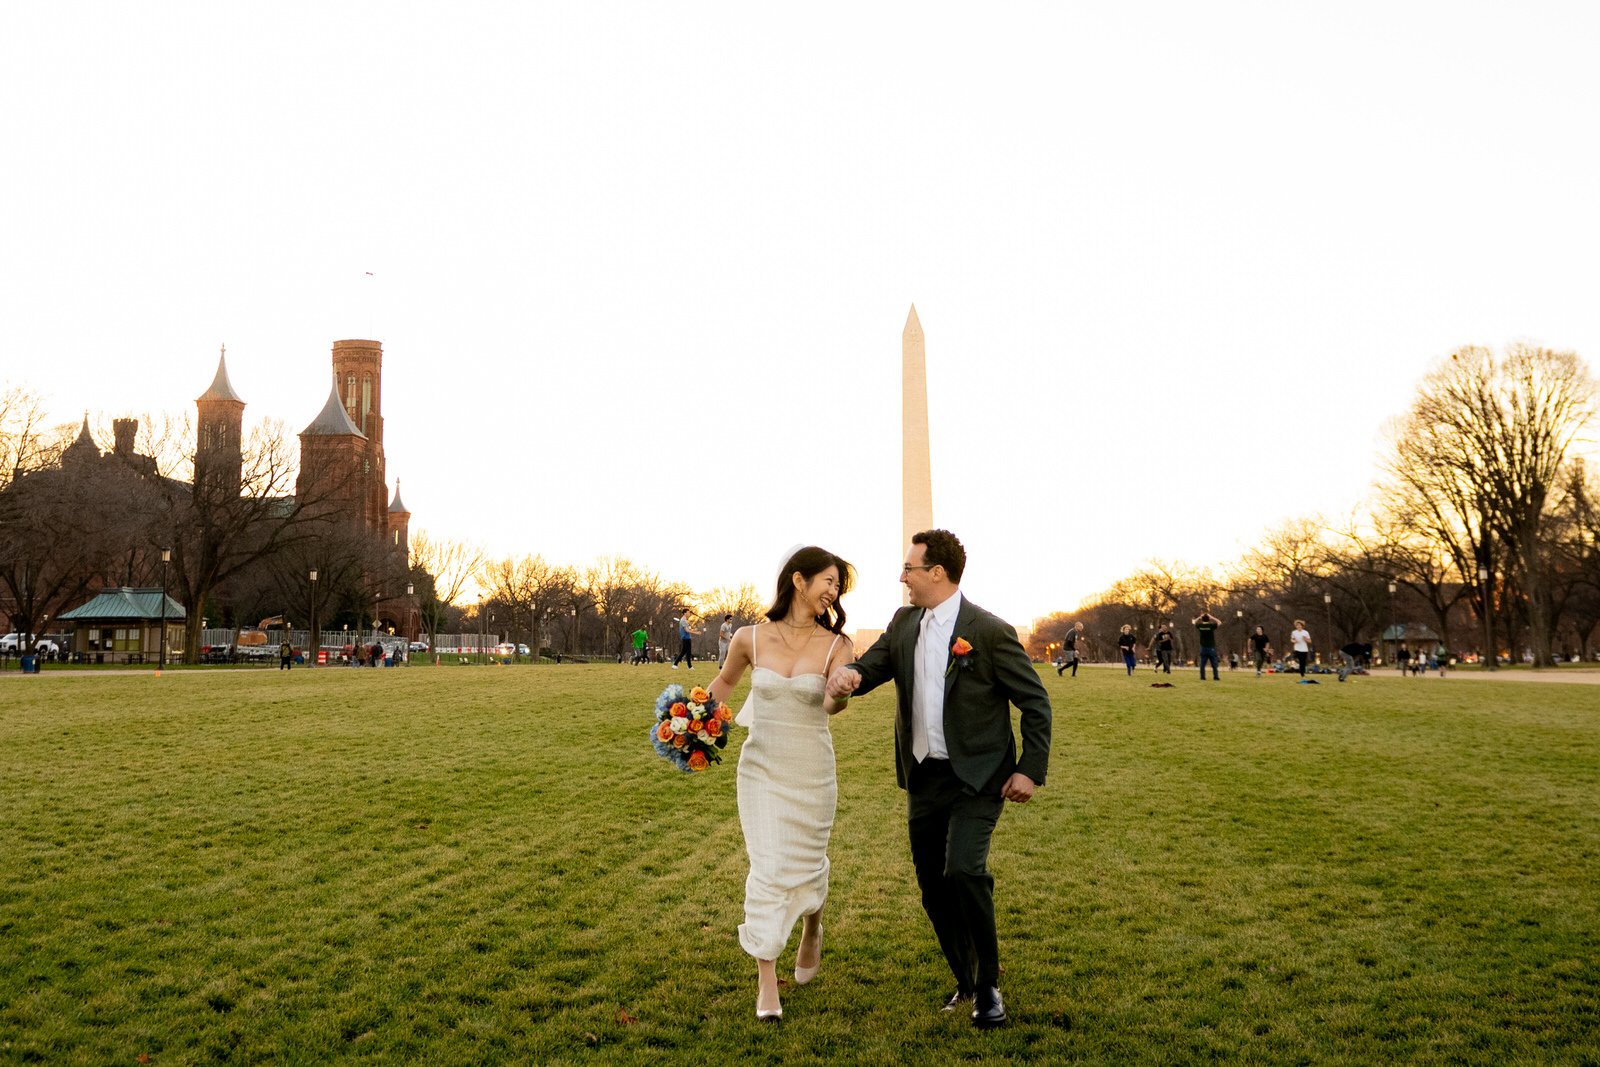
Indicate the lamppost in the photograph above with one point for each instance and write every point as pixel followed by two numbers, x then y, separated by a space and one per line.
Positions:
pixel 1244 640
pixel 574 630
pixel 1391 610
pixel 316 642
pixel 1488 619
pixel 410 608
pixel 1327 606
pixel 166 558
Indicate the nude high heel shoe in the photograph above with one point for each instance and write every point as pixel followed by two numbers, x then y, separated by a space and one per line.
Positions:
pixel 802 975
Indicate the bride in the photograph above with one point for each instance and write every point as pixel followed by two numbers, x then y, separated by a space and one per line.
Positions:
pixel 787 786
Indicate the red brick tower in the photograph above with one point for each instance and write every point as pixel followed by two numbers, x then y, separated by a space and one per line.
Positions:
pixel 405 611
pixel 334 459
pixel 399 537
pixel 358 379
pixel 218 455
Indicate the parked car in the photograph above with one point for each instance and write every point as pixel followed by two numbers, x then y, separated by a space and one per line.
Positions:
pixel 418 646
pixel 522 650
pixel 12 643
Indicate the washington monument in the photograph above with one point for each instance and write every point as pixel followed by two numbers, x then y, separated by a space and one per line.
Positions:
pixel 916 476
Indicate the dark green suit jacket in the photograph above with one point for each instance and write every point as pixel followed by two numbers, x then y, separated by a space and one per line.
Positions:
pixel 979 690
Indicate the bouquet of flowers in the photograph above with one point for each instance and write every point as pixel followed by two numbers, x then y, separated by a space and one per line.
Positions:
pixel 690 728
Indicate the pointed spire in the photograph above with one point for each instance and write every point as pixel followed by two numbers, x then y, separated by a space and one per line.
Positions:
pixel 221 388
pixel 398 506
pixel 82 446
pixel 332 420
pixel 913 324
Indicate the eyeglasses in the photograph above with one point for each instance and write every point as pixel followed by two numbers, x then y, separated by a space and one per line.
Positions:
pixel 918 567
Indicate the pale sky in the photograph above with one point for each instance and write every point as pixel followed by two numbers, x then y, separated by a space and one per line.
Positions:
pixel 640 270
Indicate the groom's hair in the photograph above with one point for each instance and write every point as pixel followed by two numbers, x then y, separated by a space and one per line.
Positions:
pixel 944 548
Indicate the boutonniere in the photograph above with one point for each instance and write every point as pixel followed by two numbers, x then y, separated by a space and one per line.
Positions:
pixel 960 649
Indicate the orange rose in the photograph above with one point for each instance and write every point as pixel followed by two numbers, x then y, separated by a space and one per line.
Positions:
pixel 698 695
pixel 678 740
pixel 961 647
pixel 723 714
pixel 698 761
pixel 680 710
pixel 664 731
pixel 714 728
pixel 696 725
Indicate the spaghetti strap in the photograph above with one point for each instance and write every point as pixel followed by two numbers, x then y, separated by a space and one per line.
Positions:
pixel 828 661
pixel 754 630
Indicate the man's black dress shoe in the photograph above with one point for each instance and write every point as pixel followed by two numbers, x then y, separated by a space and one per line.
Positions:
pixel 988 1010
pixel 958 998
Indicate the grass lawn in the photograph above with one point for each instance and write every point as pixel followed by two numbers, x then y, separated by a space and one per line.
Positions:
pixel 475 866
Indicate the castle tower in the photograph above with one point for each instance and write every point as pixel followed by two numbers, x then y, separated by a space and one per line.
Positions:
pixel 358 370
pixel 82 449
pixel 124 430
pixel 218 453
pixel 916 472
pixel 333 453
pixel 403 606
pixel 399 528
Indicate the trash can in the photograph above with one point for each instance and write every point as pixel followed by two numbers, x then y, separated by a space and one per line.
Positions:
pixel 30 665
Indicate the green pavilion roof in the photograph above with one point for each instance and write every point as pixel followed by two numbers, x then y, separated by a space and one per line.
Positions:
pixel 124 603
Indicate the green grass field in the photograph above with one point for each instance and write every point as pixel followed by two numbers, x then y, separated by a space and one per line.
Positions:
pixel 491 865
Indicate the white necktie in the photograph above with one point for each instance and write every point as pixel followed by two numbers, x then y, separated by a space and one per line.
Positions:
pixel 919 699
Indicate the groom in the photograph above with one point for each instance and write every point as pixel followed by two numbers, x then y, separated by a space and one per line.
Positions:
pixel 957 670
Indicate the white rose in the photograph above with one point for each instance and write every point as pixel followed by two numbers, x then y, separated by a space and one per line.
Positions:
pixel 696 711
pixel 679 725
pixel 702 735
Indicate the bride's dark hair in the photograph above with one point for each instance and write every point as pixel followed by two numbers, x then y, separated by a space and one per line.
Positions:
pixel 811 561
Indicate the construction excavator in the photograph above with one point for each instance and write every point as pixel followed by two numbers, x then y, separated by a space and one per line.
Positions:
pixel 256 637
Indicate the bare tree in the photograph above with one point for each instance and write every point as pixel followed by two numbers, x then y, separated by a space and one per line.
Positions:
pixel 452 566
pixel 25 444
pixel 1396 549
pixel 68 529
pixel 1493 434
pixel 743 603
pixel 529 585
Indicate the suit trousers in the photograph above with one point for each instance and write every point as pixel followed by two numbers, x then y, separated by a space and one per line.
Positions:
pixel 950 831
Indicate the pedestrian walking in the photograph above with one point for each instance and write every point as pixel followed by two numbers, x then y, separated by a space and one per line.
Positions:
pixel 1129 646
pixel 1260 648
pixel 1069 649
pixel 1163 648
pixel 1301 637
pixel 686 634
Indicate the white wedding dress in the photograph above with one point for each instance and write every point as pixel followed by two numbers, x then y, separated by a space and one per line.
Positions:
pixel 788 790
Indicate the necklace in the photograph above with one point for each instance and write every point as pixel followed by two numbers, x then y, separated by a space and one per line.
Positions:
pixel 791 646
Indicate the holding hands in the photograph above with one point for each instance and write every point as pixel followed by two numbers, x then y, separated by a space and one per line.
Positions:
pixel 843 682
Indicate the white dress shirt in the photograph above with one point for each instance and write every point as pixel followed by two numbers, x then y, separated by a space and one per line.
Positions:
pixel 927 694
